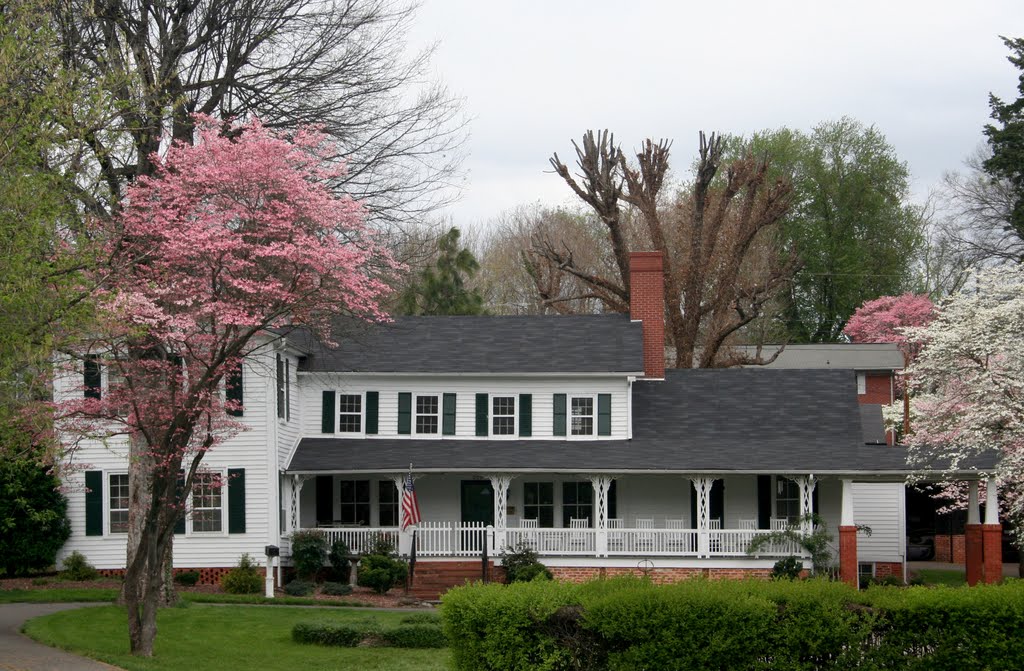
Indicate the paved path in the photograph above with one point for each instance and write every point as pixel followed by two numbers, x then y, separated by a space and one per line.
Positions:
pixel 20 653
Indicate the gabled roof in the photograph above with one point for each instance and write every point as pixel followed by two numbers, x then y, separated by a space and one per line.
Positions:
pixel 516 344
pixel 715 421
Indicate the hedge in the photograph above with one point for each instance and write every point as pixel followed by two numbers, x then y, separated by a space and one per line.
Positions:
pixel 629 623
pixel 418 635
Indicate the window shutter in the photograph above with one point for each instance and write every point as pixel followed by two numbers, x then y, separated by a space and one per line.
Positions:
pixel 287 391
pixel 481 415
pixel 94 503
pixel 236 500
pixel 604 414
pixel 179 488
pixel 372 409
pixel 327 419
pixel 448 419
pixel 279 381
pixel 764 501
pixel 93 380
pixel 404 413
pixel 233 390
pixel 324 499
pixel 525 415
pixel 559 418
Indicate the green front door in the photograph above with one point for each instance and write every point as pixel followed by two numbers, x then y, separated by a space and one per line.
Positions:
pixel 477 501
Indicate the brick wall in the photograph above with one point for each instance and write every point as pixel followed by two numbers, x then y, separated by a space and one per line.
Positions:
pixel 878 390
pixel 884 569
pixel 647 304
pixel 950 548
pixel 657 575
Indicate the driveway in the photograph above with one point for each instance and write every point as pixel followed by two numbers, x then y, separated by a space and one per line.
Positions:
pixel 20 653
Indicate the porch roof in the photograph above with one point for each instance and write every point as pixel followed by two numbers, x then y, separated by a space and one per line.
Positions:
pixel 711 421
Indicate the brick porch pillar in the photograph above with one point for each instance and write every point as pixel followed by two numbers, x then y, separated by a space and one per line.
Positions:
pixel 848 539
pixel 992 537
pixel 973 548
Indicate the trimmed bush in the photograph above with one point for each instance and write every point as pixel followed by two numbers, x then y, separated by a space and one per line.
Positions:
pixel 244 578
pixel 341 567
pixel 77 567
pixel 309 553
pixel 336 588
pixel 187 578
pixel 415 636
pixel 299 588
pixel 33 510
pixel 422 618
pixel 521 565
pixel 380 573
pixel 787 569
pixel 327 633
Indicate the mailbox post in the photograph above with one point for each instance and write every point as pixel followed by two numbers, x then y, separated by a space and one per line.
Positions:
pixel 271 551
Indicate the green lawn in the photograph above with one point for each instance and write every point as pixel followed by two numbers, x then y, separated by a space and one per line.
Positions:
pixel 225 638
pixel 933 576
pixel 68 594
pixel 57 595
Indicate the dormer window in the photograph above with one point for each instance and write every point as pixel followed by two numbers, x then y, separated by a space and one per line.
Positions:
pixel 427 414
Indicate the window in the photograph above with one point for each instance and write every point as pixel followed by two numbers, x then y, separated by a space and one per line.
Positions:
pixel 281 391
pixel 503 415
pixel 787 500
pixel 92 376
pixel 862 383
pixel 117 388
pixel 577 502
pixel 387 503
pixel 355 502
pixel 351 413
pixel 539 503
pixel 119 503
pixel 582 413
pixel 207 502
pixel 427 409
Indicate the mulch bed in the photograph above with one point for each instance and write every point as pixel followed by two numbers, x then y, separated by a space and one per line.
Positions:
pixel 360 596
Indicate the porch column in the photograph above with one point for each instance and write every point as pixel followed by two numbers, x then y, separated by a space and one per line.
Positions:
pixel 848 539
pixel 973 549
pixel 807 485
pixel 992 535
pixel 294 516
pixel 601 485
pixel 703 488
pixel 500 483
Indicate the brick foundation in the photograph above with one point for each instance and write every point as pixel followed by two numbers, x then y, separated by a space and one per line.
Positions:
pixel 973 553
pixel 959 549
pixel 943 548
pixel 657 575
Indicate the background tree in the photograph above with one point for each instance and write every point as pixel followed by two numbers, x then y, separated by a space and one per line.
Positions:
pixel 232 237
pixel 1006 141
pixel 339 64
pixel 443 288
pixel 711 235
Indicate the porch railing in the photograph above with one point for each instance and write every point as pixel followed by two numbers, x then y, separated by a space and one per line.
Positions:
pixel 447 539
pixel 359 539
pixel 547 541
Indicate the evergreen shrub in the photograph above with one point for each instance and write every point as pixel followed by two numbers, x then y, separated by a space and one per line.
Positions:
pixel 244 578
pixel 380 573
pixel 77 567
pixel 309 553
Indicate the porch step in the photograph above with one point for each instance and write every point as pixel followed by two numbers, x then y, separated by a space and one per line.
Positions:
pixel 432 579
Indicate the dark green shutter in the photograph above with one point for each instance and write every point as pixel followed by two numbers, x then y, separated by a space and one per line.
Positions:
pixel 94 503
pixel 236 500
pixel 233 391
pixel 180 499
pixel 324 499
pixel 93 378
pixel 481 415
pixel 372 409
pixel 525 415
pixel 404 413
pixel 764 501
pixel 327 408
pixel 604 414
pixel 559 418
pixel 448 417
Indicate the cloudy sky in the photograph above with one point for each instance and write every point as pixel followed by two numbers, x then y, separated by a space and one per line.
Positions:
pixel 535 75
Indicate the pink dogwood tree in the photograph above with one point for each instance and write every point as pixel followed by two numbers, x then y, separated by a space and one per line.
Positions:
pixel 233 238
pixel 886 319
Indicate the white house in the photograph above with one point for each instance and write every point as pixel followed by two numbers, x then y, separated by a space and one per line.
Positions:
pixel 564 433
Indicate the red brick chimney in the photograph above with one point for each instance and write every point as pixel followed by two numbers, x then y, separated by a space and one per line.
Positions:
pixel 647 304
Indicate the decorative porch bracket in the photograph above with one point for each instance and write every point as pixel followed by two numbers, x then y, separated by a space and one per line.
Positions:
pixel 500 483
pixel 601 485
pixel 296 491
pixel 703 488
pixel 806 485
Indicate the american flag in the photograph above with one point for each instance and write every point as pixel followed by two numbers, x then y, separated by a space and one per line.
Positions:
pixel 410 507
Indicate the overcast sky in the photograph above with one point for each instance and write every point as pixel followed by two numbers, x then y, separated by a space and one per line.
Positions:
pixel 535 75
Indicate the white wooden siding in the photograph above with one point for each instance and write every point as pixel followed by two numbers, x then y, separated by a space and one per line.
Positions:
pixel 880 505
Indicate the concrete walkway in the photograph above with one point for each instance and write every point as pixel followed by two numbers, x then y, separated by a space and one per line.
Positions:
pixel 20 653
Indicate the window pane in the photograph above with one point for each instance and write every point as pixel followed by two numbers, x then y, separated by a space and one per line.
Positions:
pixel 582 411
pixel 350 413
pixel 354 496
pixel 387 503
pixel 119 503
pixel 207 507
pixel 427 414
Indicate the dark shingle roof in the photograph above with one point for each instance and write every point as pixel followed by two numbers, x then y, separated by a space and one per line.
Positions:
pixel 518 344
pixel 795 421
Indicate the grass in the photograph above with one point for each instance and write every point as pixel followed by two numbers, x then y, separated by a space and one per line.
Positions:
pixel 101 594
pixel 225 638
pixel 934 576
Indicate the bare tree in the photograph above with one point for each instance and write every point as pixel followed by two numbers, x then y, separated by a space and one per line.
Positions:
pixel 335 63
pixel 721 266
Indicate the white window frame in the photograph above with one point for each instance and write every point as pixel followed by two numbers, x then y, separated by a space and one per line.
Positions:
pixel 416 414
pixel 362 413
pixel 107 509
pixel 593 417
pixel 491 416
pixel 862 384
pixel 782 482
pixel 222 491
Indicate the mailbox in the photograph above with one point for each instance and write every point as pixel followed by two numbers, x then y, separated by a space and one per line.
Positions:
pixel 272 551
